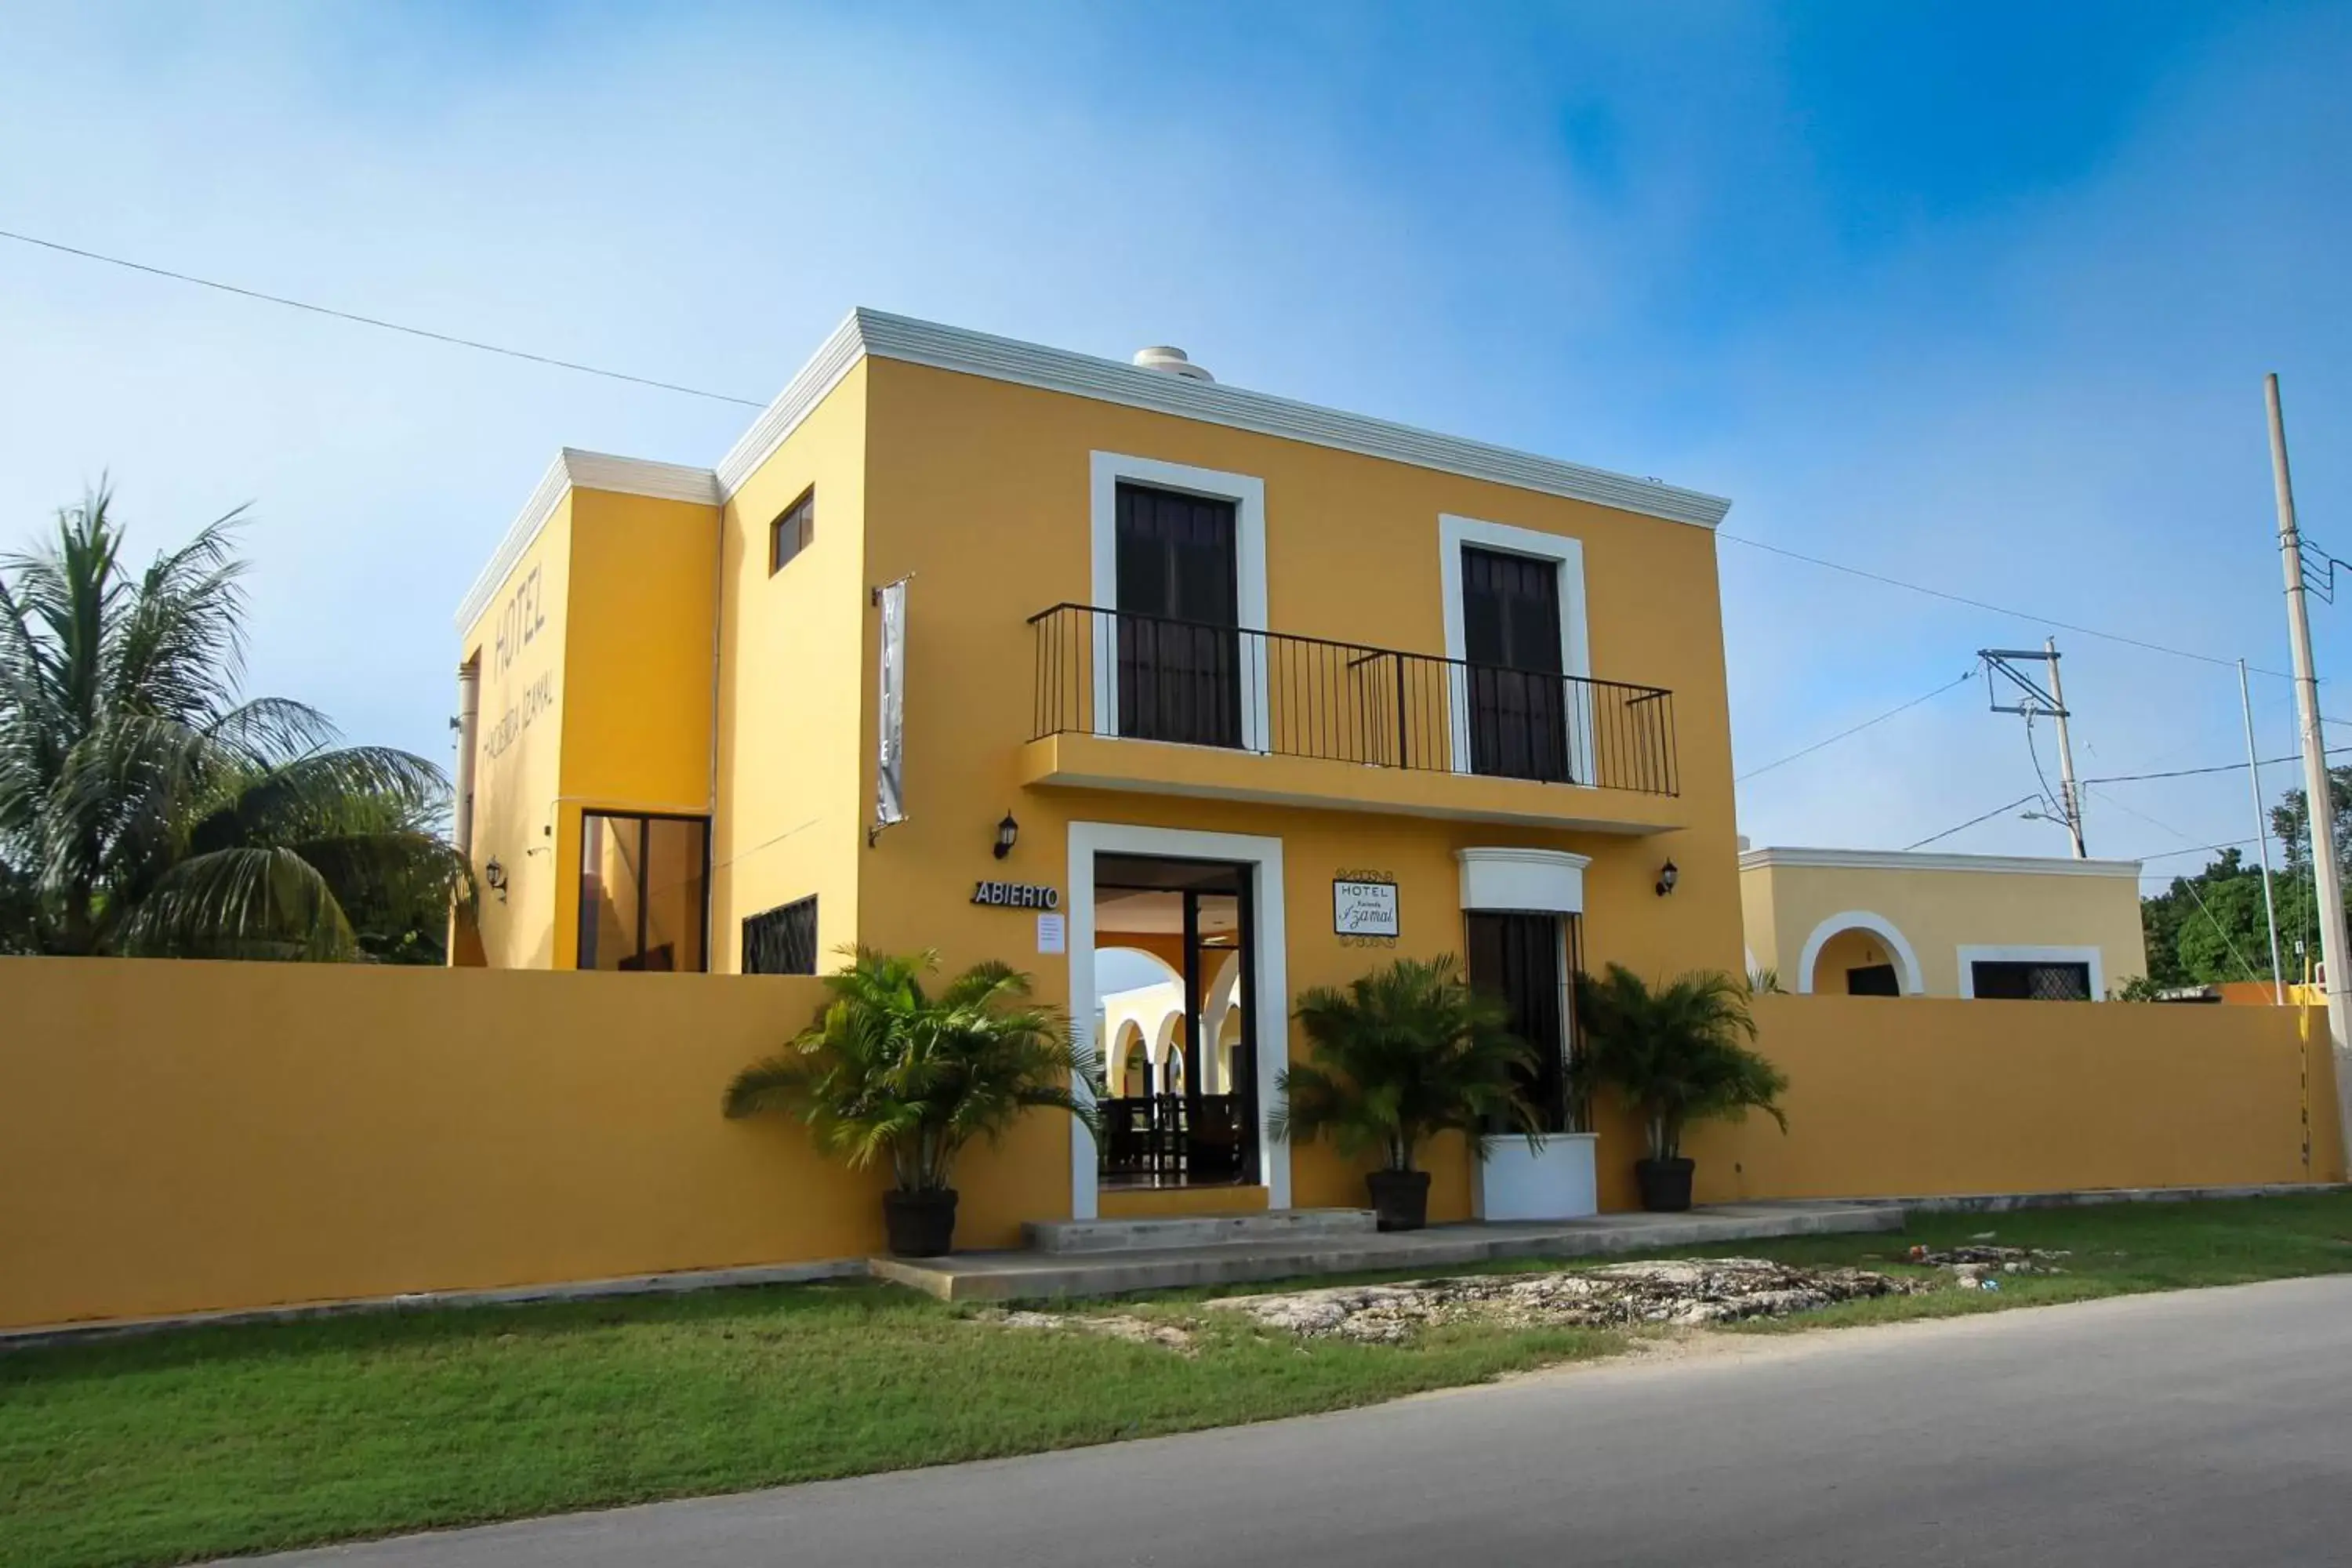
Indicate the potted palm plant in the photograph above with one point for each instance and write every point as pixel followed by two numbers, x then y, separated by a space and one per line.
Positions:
pixel 891 1071
pixel 1677 1053
pixel 1399 1056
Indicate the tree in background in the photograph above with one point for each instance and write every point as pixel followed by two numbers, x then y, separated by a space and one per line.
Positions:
pixel 2211 927
pixel 146 809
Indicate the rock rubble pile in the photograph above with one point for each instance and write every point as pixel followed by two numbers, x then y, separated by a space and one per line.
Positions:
pixel 1681 1293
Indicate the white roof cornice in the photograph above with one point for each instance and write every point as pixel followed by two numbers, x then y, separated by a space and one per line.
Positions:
pixel 575 469
pixel 886 336
pixel 1904 860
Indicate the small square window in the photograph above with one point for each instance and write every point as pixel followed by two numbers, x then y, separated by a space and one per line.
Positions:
pixel 781 941
pixel 791 533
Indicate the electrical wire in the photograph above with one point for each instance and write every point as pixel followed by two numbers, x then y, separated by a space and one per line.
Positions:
pixel 375 320
pixel 2217 768
pixel 1858 729
pixel 2219 928
pixel 1971 822
pixel 577 366
pixel 1998 609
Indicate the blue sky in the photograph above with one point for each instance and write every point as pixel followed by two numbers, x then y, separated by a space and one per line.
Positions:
pixel 1979 296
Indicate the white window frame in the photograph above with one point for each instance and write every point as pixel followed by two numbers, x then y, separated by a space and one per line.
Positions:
pixel 1567 555
pixel 1247 492
pixel 1270 1025
pixel 2091 957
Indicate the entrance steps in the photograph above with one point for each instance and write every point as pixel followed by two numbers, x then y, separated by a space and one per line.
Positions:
pixel 1112 1258
pixel 1196 1230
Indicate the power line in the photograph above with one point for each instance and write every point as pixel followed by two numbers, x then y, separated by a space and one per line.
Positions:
pixel 2196 849
pixel 1971 822
pixel 578 367
pixel 2218 768
pixel 1858 729
pixel 375 320
pixel 2219 930
pixel 1997 609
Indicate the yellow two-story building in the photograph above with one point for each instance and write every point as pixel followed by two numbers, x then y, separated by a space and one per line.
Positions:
pixel 1181 697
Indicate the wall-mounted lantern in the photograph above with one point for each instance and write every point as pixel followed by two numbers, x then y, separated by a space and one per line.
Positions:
pixel 1667 876
pixel 1008 833
pixel 495 875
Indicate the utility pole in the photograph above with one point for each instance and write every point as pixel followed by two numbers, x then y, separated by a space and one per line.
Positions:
pixel 2326 880
pixel 2262 836
pixel 2072 803
pixel 2031 699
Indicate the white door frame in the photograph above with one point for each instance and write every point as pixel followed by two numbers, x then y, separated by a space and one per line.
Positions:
pixel 1269 1023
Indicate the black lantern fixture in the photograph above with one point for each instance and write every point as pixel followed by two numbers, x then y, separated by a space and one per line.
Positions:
pixel 495 875
pixel 1667 876
pixel 1008 833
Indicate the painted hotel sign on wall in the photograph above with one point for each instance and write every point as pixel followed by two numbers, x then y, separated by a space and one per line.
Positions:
pixel 1364 907
pixel 1016 895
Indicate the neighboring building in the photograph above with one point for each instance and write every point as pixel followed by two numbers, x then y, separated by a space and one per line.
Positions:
pixel 1871 922
pixel 1270 692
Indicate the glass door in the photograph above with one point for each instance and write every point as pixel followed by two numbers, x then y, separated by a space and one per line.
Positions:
pixel 1177 1004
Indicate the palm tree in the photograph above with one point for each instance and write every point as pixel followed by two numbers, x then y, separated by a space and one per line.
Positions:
pixel 146 809
pixel 890 1071
pixel 1678 1053
pixel 1401 1055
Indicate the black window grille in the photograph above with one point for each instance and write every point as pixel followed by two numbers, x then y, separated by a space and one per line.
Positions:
pixel 2016 982
pixel 781 941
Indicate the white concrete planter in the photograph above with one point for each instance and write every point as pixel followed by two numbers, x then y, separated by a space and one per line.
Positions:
pixel 1555 1181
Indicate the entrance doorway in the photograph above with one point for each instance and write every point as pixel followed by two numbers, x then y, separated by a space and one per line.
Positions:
pixel 1176 991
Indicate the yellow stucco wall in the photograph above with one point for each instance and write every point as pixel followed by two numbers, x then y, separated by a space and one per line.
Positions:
pixel 600 699
pixel 183 1136
pixel 1937 911
pixel 980 490
pixel 519 642
pixel 1910 1096
pixel 793 694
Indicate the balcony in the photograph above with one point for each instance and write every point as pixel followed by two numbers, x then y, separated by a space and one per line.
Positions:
pixel 1143 703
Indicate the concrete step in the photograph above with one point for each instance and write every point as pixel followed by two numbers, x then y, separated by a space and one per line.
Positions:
pixel 1038 1276
pixel 1064 1236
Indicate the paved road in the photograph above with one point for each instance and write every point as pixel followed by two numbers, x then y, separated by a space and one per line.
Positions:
pixel 2206 1427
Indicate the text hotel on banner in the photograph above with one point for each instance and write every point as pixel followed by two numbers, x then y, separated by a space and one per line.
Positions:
pixel 890 778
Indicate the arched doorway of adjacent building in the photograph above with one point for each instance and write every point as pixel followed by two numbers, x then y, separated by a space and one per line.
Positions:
pixel 1858 954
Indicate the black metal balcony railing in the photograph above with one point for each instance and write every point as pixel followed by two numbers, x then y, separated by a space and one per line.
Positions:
pixel 1106 672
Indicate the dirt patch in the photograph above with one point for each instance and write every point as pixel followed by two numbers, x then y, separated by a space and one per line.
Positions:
pixel 1685 1293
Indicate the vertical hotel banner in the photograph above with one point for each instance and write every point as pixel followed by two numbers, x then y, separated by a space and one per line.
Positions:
pixel 889 777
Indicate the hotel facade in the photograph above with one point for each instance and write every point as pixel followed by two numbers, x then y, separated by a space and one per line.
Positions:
pixel 1180 696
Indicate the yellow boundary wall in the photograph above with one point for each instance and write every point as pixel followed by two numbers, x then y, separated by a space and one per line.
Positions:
pixel 183 1137
pixel 179 1136
pixel 1912 1096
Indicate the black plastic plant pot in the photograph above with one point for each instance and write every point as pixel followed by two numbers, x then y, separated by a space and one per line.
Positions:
pixel 1399 1198
pixel 922 1224
pixel 1665 1185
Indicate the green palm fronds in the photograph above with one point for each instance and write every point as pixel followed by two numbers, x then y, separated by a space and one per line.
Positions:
pixel 1678 1052
pixel 145 808
pixel 1401 1055
pixel 890 1071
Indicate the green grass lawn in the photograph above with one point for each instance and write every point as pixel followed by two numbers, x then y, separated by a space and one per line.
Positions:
pixel 174 1446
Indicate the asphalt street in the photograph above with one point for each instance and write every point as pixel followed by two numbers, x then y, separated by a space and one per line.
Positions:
pixel 2208 1427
